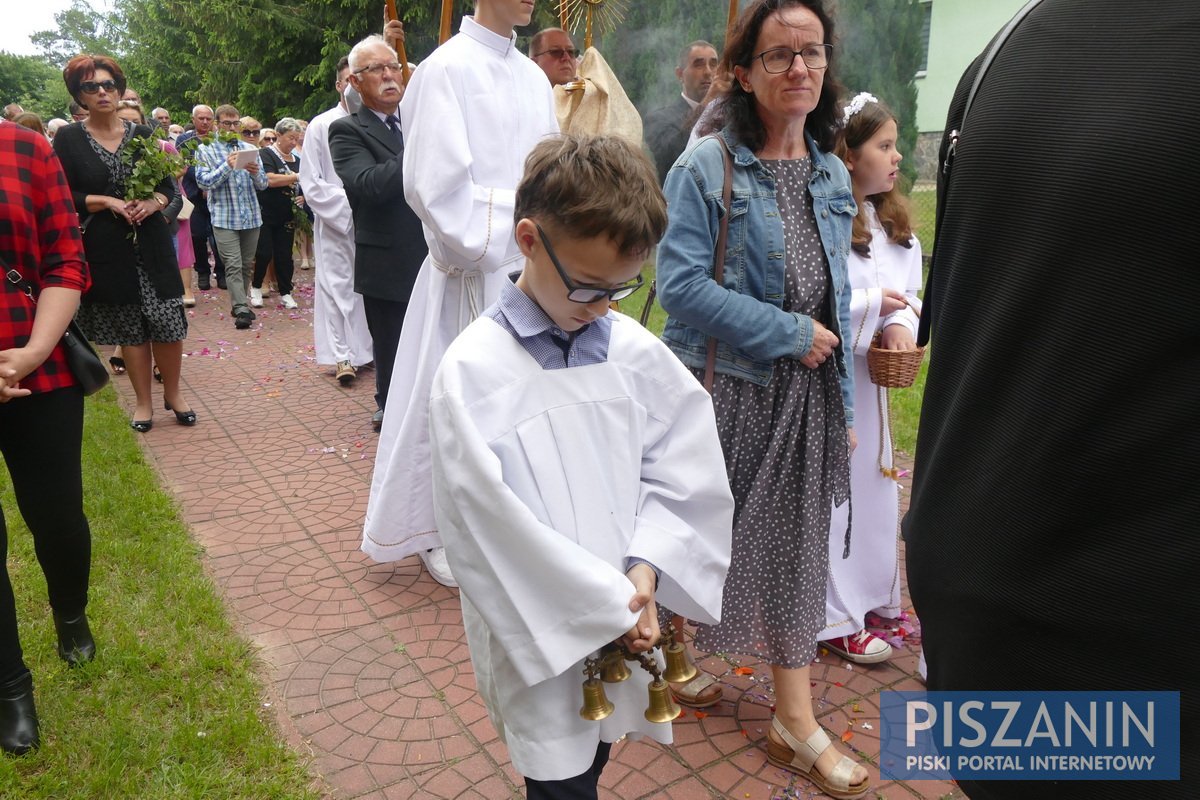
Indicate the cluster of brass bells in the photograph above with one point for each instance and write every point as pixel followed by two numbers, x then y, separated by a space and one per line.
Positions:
pixel 610 667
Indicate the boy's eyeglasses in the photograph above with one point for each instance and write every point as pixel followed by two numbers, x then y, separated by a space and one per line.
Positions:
pixel 230 124
pixel 91 87
pixel 586 294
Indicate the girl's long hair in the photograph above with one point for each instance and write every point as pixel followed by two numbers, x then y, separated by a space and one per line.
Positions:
pixel 891 206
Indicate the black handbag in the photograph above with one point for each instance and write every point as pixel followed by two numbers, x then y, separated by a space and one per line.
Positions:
pixel 82 359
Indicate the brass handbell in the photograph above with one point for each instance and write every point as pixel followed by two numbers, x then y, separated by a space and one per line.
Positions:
pixel 679 669
pixel 612 667
pixel 662 706
pixel 596 705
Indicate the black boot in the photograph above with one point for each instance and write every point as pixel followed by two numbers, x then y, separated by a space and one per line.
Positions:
pixel 75 642
pixel 18 717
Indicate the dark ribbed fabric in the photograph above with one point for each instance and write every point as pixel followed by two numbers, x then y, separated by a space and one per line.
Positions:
pixel 1052 541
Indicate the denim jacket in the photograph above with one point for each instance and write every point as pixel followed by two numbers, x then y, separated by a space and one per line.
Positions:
pixel 746 314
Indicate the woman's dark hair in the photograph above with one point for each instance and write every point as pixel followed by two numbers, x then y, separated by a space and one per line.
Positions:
pixel 739 111
pixel 891 206
pixel 83 67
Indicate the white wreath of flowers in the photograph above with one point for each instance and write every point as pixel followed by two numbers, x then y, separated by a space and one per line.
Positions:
pixel 856 105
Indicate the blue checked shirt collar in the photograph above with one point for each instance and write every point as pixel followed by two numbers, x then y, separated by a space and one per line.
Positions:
pixel 525 320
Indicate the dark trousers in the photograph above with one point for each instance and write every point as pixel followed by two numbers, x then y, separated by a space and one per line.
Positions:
pixel 201 245
pixel 40 437
pixel 581 787
pixel 385 319
pixel 275 241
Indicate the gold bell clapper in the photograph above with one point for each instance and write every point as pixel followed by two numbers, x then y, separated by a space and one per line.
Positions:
pixel 596 705
pixel 680 668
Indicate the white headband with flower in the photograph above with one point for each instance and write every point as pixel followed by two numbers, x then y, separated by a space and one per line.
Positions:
pixel 856 105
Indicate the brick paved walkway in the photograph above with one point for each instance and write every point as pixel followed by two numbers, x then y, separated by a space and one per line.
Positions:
pixel 367 663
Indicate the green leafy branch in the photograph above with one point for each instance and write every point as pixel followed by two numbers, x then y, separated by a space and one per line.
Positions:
pixel 151 165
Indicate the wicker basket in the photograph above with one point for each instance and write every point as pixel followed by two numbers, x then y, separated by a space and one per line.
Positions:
pixel 893 369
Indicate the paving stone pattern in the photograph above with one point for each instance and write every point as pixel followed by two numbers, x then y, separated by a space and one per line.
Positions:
pixel 367 663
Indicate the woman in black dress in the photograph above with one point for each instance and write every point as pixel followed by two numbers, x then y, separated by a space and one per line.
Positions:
pixel 278 231
pixel 135 299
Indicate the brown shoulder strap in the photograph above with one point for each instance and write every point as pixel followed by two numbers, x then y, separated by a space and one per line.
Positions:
pixel 710 363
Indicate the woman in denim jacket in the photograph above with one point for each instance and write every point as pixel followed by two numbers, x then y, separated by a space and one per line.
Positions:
pixel 783 388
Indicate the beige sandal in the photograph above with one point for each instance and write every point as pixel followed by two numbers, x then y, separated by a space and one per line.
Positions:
pixel 701 691
pixel 799 757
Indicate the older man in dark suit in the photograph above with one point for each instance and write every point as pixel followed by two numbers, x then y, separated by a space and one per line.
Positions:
pixel 389 245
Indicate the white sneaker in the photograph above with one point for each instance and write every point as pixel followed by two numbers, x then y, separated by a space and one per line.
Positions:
pixel 256 297
pixel 288 302
pixel 438 566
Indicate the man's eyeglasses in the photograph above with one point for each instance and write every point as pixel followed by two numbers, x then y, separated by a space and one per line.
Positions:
pixel 91 87
pixel 379 69
pixel 780 59
pixel 230 124
pixel 558 52
pixel 586 294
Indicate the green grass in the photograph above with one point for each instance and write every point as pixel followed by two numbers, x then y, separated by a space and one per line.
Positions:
pixel 906 403
pixel 173 706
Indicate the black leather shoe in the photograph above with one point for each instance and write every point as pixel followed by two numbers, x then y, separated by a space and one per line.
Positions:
pixel 75 642
pixel 203 284
pixel 182 417
pixel 18 717
pixel 221 283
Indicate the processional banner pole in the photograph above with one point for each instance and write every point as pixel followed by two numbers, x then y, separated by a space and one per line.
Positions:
pixel 389 12
pixel 733 12
pixel 447 13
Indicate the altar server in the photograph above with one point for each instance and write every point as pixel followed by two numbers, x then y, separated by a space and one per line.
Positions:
pixel 577 472
pixel 470 115
pixel 339 322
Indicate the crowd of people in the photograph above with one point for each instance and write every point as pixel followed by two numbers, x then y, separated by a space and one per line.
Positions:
pixel 473 254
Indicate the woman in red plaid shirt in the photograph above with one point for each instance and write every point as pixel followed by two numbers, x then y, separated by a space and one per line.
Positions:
pixel 41 411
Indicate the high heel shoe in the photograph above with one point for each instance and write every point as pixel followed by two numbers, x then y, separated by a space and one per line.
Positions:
pixel 141 425
pixel 75 643
pixel 157 374
pixel 118 365
pixel 182 417
pixel 18 717
pixel 801 758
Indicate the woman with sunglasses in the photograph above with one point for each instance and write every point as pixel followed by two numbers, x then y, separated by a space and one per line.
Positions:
pixel 136 295
pixel 784 390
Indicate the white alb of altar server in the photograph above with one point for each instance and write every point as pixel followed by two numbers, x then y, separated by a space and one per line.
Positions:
pixel 547 481
pixel 339 322
pixel 471 113
pixel 869 580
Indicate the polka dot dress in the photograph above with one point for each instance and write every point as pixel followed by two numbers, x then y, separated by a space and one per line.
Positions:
pixel 155 319
pixel 786 455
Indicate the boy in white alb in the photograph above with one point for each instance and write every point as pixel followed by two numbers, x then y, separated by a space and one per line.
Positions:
pixel 472 112
pixel 577 473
